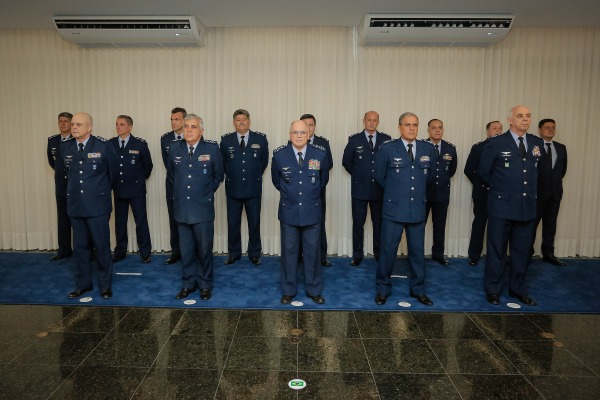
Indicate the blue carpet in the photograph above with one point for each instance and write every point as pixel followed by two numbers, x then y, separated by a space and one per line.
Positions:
pixel 29 278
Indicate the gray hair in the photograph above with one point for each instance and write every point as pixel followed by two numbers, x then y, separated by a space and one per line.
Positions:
pixel 406 114
pixel 194 116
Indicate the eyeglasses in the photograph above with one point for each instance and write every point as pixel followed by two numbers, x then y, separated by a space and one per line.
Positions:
pixel 298 133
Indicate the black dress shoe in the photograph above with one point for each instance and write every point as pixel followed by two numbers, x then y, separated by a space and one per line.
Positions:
pixel 493 299
pixel 172 260
pixel 380 299
pixel 285 299
pixel 231 260
pixel 57 257
pixel 553 260
pixel 183 293
pixel 255 260
pixel 78 292
pixel 117 258
pixel 106 294
pixel 473 262
pixel 146 259
pixel 422 299
pixel 523 298
pixel 325 263
pixel 356 261
pixel 205 294
pixel 441 260
pixel 317 299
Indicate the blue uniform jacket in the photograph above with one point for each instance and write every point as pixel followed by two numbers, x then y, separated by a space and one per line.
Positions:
pixel 479 187
pixel 60 176
pixel 194 181
pixel 90 176
pixel 134 167
pixel 359 161
pixel 438 190
pixel 300 188
pixel 244 169
pixel 404 184
pixel 512 180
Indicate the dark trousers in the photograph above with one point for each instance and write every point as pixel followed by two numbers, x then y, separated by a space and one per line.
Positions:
pixel 64 227
pixel 234 221
pixel 439 212
pixel 196 243
pixel 140 216
pixel 322 229
pixel 359 217
pixel 503 233
pixel 94 230
pixel 478 229
pixel 174 240
pixel 391 231
pixel 547 212
pixel 291 238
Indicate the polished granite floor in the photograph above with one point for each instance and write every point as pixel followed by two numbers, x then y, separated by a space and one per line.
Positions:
pixel 54 352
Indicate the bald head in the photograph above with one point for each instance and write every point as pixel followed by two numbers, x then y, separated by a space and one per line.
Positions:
pixel 81 126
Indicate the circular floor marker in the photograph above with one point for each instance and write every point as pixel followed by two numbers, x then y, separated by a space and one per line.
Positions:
pixel 189 302
pixel 297 384
pixel 85 299
pixel 297 303
pixel 513 305
pixel 404 304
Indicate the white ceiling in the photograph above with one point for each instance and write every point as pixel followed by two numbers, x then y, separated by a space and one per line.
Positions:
pixel 36 14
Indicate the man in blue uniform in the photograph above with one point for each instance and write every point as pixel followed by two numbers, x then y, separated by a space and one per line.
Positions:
pixel 551 171
pixel 359 161
pixel 300 171
pixel 311 122
pixel 403 167
pixel 245 157
pixel 176 133
pixel 438 190
pixel 135 166
pixel 195 168
pixel 90 163
pixel 479 194
pixel 509 166
pixel 60 183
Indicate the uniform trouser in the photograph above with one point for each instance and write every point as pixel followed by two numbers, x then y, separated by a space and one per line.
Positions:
pixel 359 217
pixel 478 229
pixel 391 232
pixel 439 212
pixel 196 243
pixel 503 233
pixel 142 231
pixel 234 221
pixel 174 239
pixel 323 234
pixel 94 230
pixel 547 212
pixel 291 237
pixel 64 227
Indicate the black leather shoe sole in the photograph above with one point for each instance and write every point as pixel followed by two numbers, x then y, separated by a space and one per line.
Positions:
pixel 493 299
pixel 205 294
pixel 106 294
pixel 172 260
pixel 76 293
pixel 325 263
pixel 231 260
pixel 356 262
pixel 523 299
pixel 423 299
pixel 255 260
pixel 317 299
pixel 183 293
pixel 554 261
pixel 286 299
pixel 441 260
pixel 380 299
pixel 473 262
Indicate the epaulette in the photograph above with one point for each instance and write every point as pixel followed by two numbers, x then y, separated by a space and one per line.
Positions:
pixel 100 138
pixel 388 141
pixel 354 134
pixel 260 133
pixel 211 141
pixel 53 136
pixel 165 134
pixel 140 139
pixel 324 138
pixel 114 137
pixel 318 147
pixel 535 135
pixel 427 141
pixel 68 139
pixel 226 134
pixel 478 143
pixel 450 144
pixel 497 135
pixel 283 146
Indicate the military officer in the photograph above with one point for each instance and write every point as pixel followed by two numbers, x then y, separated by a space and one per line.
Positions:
pixel 311 122
pixel 479 193
pixel 403 167
pixel 176 133
pixel 60 183
pixel 438 190
pixel 299 172
pixel 245 156
pixel 135 166
pixel 90 163
pixel 359 161
pixel 509 166
pixel 195 168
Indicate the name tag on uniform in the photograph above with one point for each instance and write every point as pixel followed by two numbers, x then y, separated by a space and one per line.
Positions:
pixel 134 152
pixel 447 157
pixel 424 158
pixel 94 155
pixel 314 164
pixel 204 157
pixel 255 146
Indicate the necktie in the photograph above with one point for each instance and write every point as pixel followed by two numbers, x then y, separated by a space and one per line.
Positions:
pixel 300 159
pixel 80 148
pixel 522 147
pixel 371 141
pixel 410 153
pixel 122 145
pixel 549 151
pixel 437 149
pixel 243 144
pixel 178 137
pixel 191 152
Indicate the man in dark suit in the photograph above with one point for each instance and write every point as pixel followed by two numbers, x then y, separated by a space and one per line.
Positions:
pixel 299 172
pixel 135 166
pixel 60 184
pixel 176 133
pixel 403 167
pixel 509 166
pixel 195 168
pixel 438 190
pixel 479 193
pixel 245 156
pixel 91 166
pixel 359 161
pixel 311 122
pixel 551 171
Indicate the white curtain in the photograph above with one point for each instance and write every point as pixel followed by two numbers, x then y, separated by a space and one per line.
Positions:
pixel 277 74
